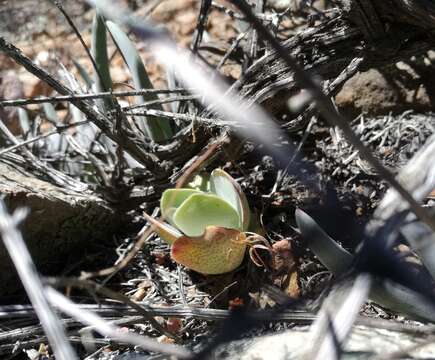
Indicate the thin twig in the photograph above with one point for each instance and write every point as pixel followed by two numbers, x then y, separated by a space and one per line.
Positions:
pixel 58 130
pixel 178 116
pixel 29 276
pixel 131 143
pixel 79 36
pixel 125 315
pixel 201 24
pixel 124 262
pixel 328 110
pixel 108 329
pixel 90 285
pixel 108 94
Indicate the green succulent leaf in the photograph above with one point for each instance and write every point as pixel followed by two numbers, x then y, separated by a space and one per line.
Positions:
pixel 201 210
pixel 172 199
pixel 224 186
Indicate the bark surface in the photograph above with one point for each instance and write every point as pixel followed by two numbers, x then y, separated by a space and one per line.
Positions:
pixel 61 227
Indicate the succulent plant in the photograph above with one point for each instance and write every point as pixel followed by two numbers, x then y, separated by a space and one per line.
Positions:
pixel 206 229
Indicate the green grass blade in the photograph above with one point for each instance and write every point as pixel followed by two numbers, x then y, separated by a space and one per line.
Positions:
pixel 50 113
pixel 158 129
pixel 24 120
pixel 102 79
pixel 333 256
pixel 337 260
pixel 84 74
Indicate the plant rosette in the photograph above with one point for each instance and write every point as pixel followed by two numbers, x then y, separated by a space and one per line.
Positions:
pixel 206 229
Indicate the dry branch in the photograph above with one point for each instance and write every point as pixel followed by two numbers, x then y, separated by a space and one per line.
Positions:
pixel 380 32
pixel 62 223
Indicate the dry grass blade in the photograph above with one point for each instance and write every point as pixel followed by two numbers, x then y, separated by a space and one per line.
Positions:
pixel 92 287
pixel 418 176
pixel 334 323
pixel 328 110
pixel 130 145
pixel 109 330
pixel 107 94
pixel 26 269
pixel 57 176
pixel 58 130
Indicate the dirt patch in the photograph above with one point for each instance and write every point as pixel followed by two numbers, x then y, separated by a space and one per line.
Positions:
pixel 395 89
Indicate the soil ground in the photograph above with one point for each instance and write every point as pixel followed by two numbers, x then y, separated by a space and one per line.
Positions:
pixel 390 111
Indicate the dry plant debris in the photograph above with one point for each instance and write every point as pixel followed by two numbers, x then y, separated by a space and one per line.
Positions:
pixel 105 164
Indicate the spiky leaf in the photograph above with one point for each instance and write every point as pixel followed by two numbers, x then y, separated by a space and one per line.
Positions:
pixel 83 73
pixel 336 259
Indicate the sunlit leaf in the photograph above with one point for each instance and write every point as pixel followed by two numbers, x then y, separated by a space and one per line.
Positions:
pixel 83 73
pixel 172 199
pixel 23 117
pixel 165 231
pixel 158 129
pixel 102 79
pixel 224 186
pixel 201 210
pixel 217 251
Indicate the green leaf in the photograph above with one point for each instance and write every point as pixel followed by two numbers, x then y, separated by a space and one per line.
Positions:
pixel 50 113
pixel 158 129
pixel 172 198
pixel 384 292
pixel 201 210
pixel 102 78
pixel 224 186
pixel 83 73
pixel 403 300
pixel 331 255
pixel 217 251
pixel 23 117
